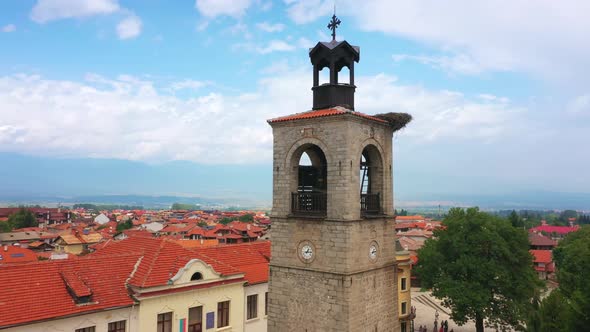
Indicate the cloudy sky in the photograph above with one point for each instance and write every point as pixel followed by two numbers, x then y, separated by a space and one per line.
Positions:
pixel 499 90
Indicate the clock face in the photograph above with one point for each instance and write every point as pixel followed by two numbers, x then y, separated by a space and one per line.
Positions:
pixel 373 251
pixel 306 251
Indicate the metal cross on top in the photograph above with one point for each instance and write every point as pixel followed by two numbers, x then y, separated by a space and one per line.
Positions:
pixel 334 23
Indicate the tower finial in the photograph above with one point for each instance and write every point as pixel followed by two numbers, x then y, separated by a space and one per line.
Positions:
pixel 334 23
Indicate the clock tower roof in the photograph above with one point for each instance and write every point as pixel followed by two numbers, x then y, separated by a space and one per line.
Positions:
pixel 395 120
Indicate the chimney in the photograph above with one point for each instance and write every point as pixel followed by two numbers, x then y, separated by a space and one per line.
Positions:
pixel 5 248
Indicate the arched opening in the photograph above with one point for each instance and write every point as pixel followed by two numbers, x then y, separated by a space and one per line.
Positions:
pixel 309 196
pixel 324 76
pixel 344 76
pixel 197 276
pixel 371 180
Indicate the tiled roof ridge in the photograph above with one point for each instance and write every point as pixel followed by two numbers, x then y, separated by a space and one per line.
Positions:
pixel 153 261
pixel 329 111
pixel 132 274
pixel 218 262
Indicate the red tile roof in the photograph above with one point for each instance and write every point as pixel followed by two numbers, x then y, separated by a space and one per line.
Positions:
pixel 555 229
pixel 542 256
pixel 37 291
pixel 251 258
pixel 409 218
pixel 161 260
pixel 536 239
pixel 102 275
pixel 324 113
pixel 14 254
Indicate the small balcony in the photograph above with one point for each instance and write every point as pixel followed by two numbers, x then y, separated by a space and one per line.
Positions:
pixel 309 204
pixel 370 204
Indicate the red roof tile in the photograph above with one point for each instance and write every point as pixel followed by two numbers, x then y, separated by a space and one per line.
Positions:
pixel 536 239
pixel 250 258
pixel 15 254
pixel 542 256
pixel 324 113
pixel 26 288
pixel 161 260
pixel 555 229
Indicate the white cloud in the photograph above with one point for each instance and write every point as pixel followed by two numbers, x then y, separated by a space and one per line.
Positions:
pixel 133 118
pixel 213 8
pixel 265 26
pixel 130 27
pixel 50 10
pixel 437 114
pixel 580 105
pixel 306 11
pixel 9 28
pixel 545 39
pixel 276 46
pixel 459 63
pixel 272 46
pixel 187 84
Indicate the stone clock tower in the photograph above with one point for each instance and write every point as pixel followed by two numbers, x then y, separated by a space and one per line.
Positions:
pixel 333 262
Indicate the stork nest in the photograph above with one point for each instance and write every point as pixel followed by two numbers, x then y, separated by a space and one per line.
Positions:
pixel 397 121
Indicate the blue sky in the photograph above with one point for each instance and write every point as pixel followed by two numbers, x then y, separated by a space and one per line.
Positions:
pixel 499 90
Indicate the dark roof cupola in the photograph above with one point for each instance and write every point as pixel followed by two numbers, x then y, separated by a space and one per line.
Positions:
pixel 334 55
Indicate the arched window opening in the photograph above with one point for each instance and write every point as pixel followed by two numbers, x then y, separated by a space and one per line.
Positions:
pixel 310 193
pixel 344 76
pixel 304 160
pixel 196 276
pixel 371 180
pixel 324 76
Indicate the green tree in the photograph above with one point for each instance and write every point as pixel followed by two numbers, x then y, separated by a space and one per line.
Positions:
pixel 225 220
pixel 401 212
pixel 572 257
pixel 554 314
pixel 128 224
pixel 515 220
pixel 23 218
pixel 246 218
pixel 583 219
pixel 565 215
pixel 480 267
pixel 202 224
pixel 5 226
pixel 185 206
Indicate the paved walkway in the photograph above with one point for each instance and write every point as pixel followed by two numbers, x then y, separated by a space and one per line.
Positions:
pixel 426 307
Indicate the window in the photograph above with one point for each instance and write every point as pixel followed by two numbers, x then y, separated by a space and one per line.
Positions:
pixel 117 326
pixel 252 306
pixel 196 276
pixel 404 308
pixel 266 303
pixel 195 319
pixel 86 329
pixel 404 327
pixel 222 314
pixel 165 322
pixel 404 284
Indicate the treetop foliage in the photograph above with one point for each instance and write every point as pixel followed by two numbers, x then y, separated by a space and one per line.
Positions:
pixel 21 219
pixel 480 266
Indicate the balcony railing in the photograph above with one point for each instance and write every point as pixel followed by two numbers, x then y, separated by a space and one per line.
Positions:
pixel 309 203
pixel 370 204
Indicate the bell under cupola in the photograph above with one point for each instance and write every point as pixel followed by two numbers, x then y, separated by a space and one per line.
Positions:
pixel 333 55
